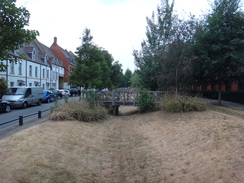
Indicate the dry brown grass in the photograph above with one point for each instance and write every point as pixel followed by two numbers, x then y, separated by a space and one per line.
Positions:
pixel 153 147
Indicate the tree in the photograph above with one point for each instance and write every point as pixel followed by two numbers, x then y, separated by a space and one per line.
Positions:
pixel 135 81
pixel 219 45
pixel 12 32
pixel 94 66
pixel 176 58
pixel 3 87
pixel 117 75
pixel 127 78
pixel 158 31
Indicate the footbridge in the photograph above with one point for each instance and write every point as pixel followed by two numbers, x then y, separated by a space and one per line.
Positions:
pixel 124 97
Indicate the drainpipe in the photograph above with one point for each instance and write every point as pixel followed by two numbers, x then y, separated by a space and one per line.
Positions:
pixel 26 73
pixel 7 71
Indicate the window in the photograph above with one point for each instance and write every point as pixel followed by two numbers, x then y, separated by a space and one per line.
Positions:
pixel 11 83
pixel 20 68
pixel 30 70
pixel 30 84
pixel 34 54
pixel 43 73
pixel 12 67
pixel 36 72
pixel 47 74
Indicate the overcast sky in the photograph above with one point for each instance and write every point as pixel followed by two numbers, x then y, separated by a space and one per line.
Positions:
pixel 118 26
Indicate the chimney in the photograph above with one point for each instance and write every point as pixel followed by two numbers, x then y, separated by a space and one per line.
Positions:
pixel 55 40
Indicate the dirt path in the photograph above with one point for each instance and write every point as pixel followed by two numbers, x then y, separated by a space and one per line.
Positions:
pixel 154 147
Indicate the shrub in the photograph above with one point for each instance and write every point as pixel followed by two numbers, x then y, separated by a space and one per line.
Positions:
pixel 182 104
pixel 146 102
pixel 78 110
pixel 91 98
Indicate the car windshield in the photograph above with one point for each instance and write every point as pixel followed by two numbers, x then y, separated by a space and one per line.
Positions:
pixel 16 91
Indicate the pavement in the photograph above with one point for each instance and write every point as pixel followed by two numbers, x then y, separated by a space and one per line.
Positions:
pixel 227 104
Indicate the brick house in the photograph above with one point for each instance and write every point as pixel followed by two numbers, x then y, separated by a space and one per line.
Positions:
pixel 68 59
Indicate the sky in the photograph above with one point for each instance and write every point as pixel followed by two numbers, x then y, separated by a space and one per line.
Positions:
pixel 118 26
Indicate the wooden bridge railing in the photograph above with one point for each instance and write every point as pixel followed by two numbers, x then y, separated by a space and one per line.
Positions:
pixel 126 97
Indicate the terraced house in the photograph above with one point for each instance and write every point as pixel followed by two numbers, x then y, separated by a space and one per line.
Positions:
pixel 40 67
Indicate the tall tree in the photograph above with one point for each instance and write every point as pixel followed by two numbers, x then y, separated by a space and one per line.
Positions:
pixel 12 32
pixel 147 59
pixel 219 45
pixel 176 58
pixel 127 78
pixel 117 75
pixel 94 66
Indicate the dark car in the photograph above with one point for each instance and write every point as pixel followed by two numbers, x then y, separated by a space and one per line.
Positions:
pixel 48 96
pixel 57 93
pixel 5 106
pixel 74 92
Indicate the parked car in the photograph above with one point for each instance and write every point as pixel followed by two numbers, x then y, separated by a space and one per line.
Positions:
pixel 21 96
pixel 57 93
pixel 65 92
pixel 5 106
pixel 74 92
pixel 48 96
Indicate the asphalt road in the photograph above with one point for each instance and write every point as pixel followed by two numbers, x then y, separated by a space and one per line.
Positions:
pixel 15 113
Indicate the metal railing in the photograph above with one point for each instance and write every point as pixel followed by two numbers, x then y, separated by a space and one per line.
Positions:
pixel 21 118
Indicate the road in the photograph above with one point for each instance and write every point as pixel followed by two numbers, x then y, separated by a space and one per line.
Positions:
pixel 15 113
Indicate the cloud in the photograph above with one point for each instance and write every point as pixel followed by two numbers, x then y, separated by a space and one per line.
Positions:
pixel 118 26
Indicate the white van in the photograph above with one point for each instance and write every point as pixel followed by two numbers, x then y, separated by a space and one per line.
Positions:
pixel 23 96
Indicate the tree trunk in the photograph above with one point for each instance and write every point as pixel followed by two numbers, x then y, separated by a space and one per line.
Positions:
pixel 219 94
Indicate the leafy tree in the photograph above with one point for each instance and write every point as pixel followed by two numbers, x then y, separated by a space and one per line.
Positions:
pixel 176 58
pixel 135 81
pixel 219 45
pixel 94 66
pixel 12 32
pixel 3 86
pixel 127 78
pixel 158 31
pixel 117 75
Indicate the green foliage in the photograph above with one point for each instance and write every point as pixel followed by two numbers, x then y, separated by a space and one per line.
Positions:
pixel 78 110
pixel 94 66
pixel 116 75
pixel 3 86
pixel 92 98
pixel 12 23
pixel 135 81
pixel 173 103
pixel 146 102
pixel 164 60
pixel 127 78
pixel 219 45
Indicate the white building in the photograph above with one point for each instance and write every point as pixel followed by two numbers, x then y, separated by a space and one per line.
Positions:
pixel 40 67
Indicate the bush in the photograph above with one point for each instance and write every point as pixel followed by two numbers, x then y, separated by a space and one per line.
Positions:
pixel 78 110
pixel 182 104
pixel 91 98
pixel 146 102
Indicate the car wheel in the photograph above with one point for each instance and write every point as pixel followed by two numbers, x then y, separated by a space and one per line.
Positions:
pixel 24 106
pixel 48 100
pixel 8 108
pixel 39 102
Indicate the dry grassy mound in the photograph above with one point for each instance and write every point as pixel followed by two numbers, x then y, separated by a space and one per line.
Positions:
pixel 78 110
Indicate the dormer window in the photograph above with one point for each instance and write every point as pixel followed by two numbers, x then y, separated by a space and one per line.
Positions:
pixel 31 51
pixel 34 54
pixel 44 57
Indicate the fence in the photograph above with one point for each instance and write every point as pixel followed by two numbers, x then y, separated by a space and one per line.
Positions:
pixel 21 118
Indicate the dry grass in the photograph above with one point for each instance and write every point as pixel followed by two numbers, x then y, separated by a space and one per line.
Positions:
pixel 153 147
